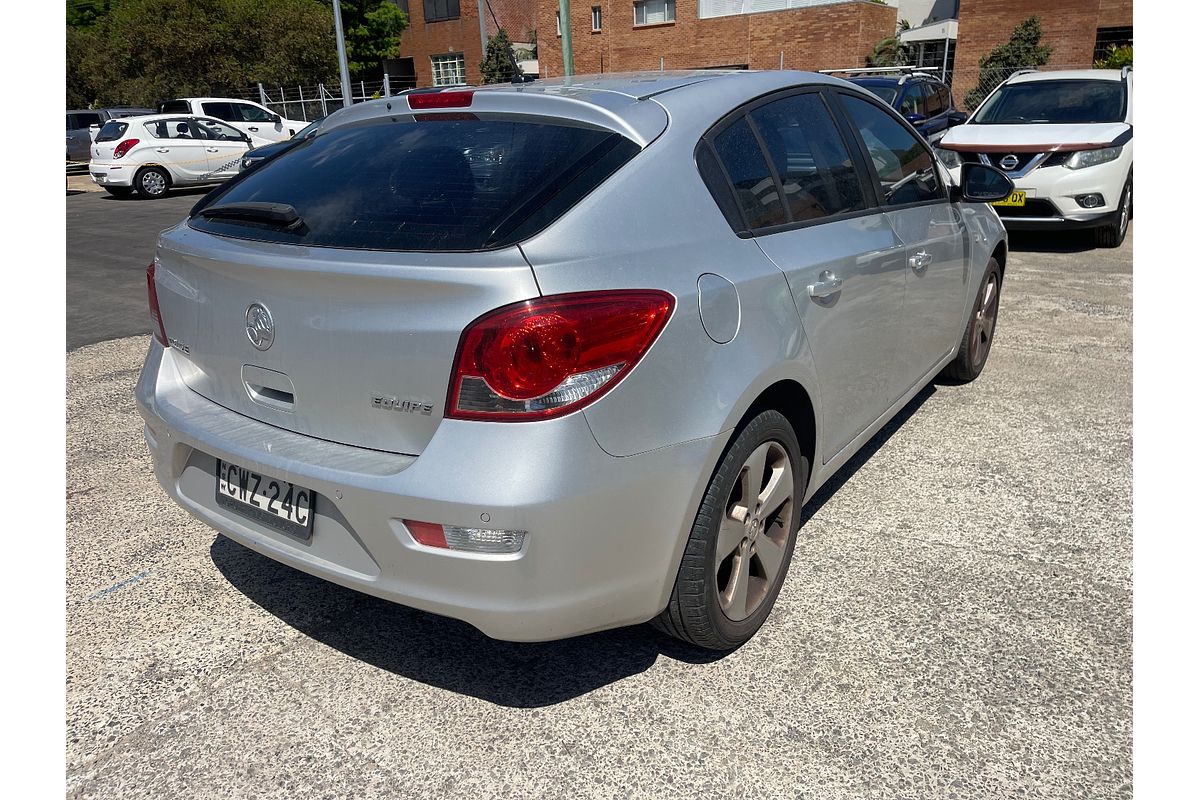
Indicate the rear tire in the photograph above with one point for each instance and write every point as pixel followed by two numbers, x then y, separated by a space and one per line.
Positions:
pixel 1112 235
pixel 740 546
pixel 152 183
pixel 119 191
pixel 976 343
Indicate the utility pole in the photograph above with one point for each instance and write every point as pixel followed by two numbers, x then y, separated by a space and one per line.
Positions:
pixel 482 32
pixel 341 50
pixel 564 17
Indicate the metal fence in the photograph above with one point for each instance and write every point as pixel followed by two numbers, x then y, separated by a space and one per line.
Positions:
pixel 313 102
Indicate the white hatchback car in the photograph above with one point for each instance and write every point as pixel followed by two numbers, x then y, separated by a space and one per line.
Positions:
pixel 151 154
pixel 1066 140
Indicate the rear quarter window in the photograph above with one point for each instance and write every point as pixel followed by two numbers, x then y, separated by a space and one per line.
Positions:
pixel 431 182
pixel 175 107
pixel 112 131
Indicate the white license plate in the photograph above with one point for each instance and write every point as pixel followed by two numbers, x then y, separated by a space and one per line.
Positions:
pixel 273 502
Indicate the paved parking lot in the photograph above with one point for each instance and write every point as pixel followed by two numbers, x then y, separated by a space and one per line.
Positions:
pixel 956 623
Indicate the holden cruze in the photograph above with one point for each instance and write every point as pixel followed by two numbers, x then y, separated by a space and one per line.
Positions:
pixel 563 356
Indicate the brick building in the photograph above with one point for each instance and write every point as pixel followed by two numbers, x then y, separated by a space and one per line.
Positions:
pixel 623 35
pixel 442 44
pixel 1075 29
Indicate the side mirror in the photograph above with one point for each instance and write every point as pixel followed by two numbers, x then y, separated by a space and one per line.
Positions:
pixel 980 183
pixel 916 119
pixel 955 118
pixel 277 119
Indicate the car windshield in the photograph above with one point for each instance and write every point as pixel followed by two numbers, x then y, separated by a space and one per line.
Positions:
pixel 885 92
pixel 112 131
pixel 1055 102
pixel 434 182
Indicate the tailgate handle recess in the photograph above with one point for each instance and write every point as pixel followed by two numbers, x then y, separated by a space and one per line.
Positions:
pixel 269 388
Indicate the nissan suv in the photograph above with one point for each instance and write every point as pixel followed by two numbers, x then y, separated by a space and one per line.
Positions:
pixel 1066 140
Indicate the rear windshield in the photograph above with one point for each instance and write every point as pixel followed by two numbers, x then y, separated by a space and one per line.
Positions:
pixel 175 107
pixel 112 131
pixel 433 182
pixel 1055 102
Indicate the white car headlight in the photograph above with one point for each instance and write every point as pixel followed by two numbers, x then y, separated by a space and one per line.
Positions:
pixel 1090 158
pixel 949 158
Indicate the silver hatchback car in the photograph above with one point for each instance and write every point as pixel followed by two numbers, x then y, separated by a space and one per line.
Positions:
pixel 558 357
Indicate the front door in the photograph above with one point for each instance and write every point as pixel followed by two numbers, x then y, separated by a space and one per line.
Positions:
pixel 919 210
pixel 224 145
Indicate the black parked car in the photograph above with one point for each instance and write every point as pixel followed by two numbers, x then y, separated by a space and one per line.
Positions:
pixel 920 98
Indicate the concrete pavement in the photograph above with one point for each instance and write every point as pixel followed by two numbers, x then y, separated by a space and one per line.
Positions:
pixel 956 622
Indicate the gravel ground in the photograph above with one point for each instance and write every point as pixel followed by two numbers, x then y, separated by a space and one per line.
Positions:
pixel 957 621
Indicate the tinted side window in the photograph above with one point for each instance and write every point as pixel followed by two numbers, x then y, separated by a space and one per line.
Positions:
pixel 900 161
pixel 757 194
pixel 175 107
pixel 914 100
pixel 224 111
pixel 87 120
pixel 934 102
pixel 809 156
pixel 72 124
pixel 249 113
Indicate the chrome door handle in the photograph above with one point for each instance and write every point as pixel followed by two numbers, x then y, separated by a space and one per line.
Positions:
pixel 920 261
pixel 828 285
pixel 162 149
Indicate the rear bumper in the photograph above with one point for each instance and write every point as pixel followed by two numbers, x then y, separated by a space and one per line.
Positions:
pixel 111 174
pixel 605 534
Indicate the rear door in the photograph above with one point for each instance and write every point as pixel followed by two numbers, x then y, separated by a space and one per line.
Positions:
pixel 930 226
pixel 178 146
pixel 799 186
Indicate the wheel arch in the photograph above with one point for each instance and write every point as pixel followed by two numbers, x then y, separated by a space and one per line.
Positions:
pixel 790 398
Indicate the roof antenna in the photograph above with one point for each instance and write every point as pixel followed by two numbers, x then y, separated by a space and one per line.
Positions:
pixel 517 75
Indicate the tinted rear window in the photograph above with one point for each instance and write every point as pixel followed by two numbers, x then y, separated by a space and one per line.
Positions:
pixel 175 107
pixel 112 131
pixel 445 182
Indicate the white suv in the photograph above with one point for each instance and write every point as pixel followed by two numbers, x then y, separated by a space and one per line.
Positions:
pixel 250 118
pixel 1066 140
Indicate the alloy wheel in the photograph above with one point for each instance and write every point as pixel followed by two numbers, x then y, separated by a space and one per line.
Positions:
pixel 985 321
pixel 752 540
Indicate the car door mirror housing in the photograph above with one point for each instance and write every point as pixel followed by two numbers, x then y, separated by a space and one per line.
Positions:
pixel 916 119
pixel 980 183
pixel 955 118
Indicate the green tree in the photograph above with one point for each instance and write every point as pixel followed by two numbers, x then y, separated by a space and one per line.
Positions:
pixel 145 50
pixel 1116 57
pixel 891 52
pixel 372 29
pixel 1023 49
pixel 498 61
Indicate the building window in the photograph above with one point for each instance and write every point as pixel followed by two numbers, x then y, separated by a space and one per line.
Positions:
pixel 450 70
pixel 653 12
pixel 558 22
pixel 1112 37
pixel 438 10
pixel 595 18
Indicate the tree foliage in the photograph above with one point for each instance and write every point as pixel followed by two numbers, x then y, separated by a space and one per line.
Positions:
pixel 891 52
pixel 372 29
pixel 1116 57
pixel 498 61
pixel 140 51
pixel 1023 49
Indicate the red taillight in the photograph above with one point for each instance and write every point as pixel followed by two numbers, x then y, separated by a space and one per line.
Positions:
pixel 459 99
pixel 547 357
pixel 124 147
pixel 160 333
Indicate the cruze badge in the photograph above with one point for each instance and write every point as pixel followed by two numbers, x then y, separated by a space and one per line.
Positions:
pixel 389 403
pixel 260 328
pixel 1009 162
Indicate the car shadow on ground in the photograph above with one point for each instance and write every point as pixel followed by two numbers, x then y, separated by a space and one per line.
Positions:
pixel 1052 241
pixel 452 655
pixel 134 197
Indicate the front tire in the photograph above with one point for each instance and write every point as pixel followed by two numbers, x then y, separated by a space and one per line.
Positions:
pixel 976 343
pixel 1113 234
pixel 152 183
pixel 741 543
